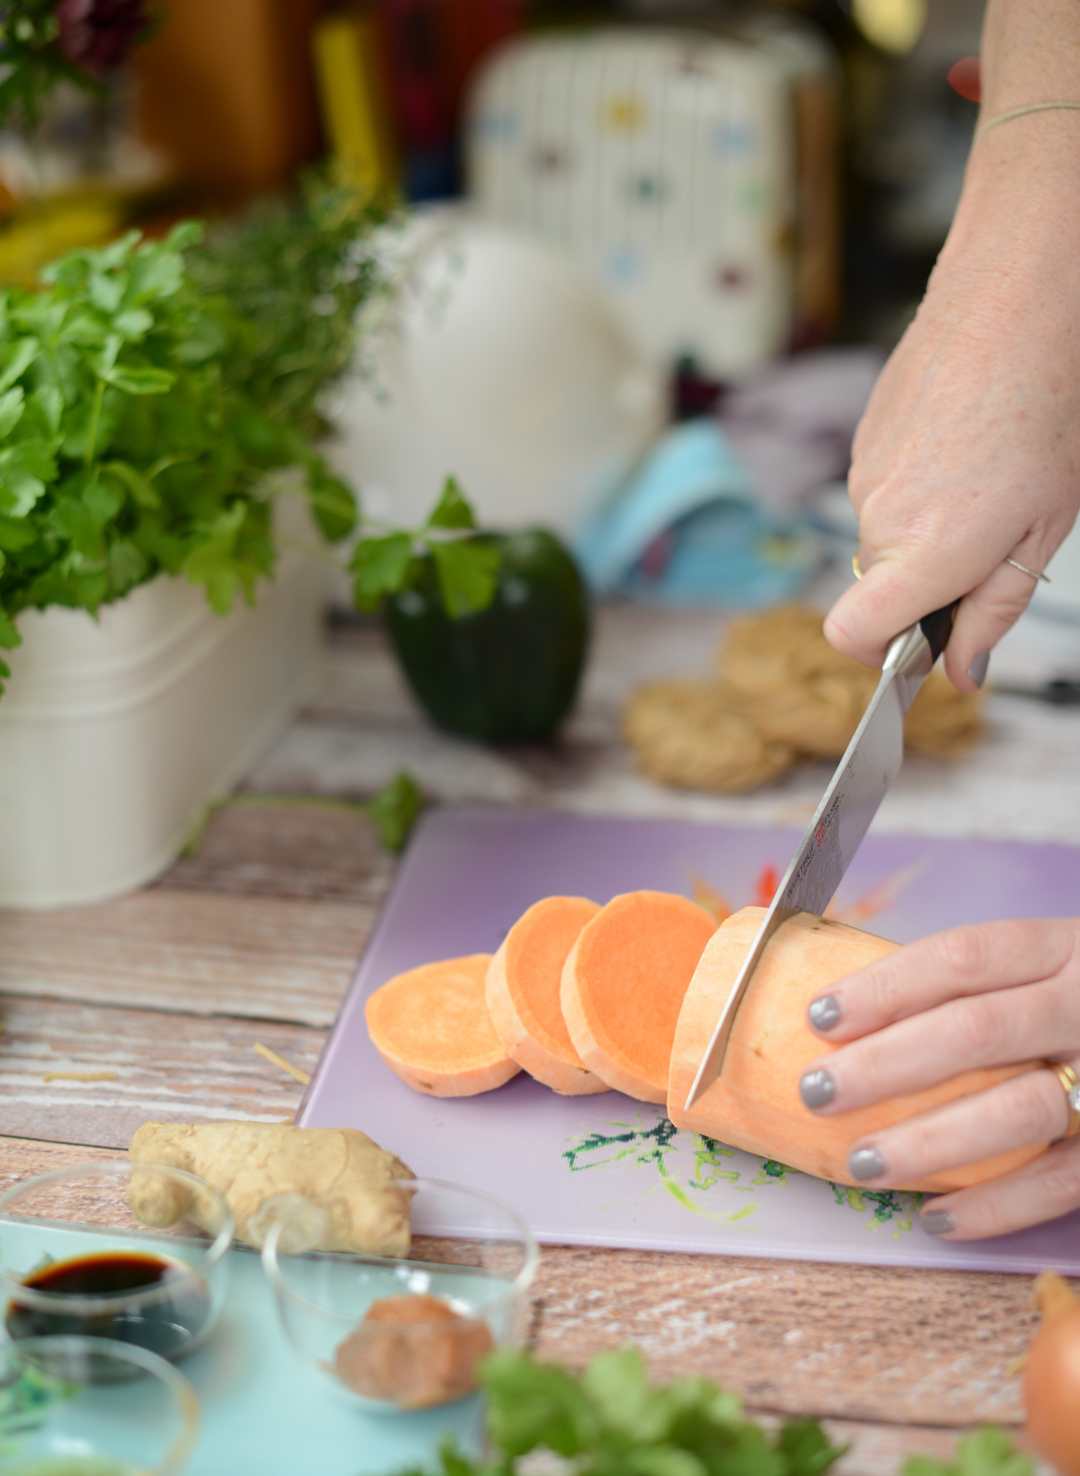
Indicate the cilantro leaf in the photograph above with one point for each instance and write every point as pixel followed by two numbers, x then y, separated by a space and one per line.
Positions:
pixel 379 566
pixel 140 381
pixel 468 575
pixel 332 502
pixel 987 1452
pixel 610 1421
pixel 451 510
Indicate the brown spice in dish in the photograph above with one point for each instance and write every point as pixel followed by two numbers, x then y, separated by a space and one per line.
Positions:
pixel 413 1351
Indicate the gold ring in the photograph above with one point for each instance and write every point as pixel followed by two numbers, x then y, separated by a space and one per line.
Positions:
pixel 1071 1082
pixel 856 567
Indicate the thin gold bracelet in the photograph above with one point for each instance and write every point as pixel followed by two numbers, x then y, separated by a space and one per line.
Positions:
pixel 1023 112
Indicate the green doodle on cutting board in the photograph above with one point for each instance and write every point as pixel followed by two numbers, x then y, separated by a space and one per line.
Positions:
pixel 709 1163
pixel 895 1206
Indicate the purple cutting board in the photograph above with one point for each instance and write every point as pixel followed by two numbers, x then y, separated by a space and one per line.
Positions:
pixel 606 1170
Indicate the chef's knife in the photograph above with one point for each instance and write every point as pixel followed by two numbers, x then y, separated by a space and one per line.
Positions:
pixel 869 766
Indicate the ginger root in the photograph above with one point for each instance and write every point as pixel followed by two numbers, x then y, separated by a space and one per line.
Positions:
pixel 348 1176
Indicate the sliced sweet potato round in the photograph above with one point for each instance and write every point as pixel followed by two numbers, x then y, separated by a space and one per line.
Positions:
pixel 431 1026
pixel 623 985
pixel 523 986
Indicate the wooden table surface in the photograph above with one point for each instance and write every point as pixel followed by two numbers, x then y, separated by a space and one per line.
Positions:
pixel 151 1006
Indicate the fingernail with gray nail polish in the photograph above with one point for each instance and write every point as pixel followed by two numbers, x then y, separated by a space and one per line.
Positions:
pixel 817 1087
pixel 937 1222
pixel 866 1163
pixel 977 669
pixel 824 1012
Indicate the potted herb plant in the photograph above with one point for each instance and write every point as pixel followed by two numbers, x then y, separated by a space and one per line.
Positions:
pixel 156 402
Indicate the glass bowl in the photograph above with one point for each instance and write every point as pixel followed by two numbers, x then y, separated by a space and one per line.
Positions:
pixel 68 1421
pixel 405 1334
pixel 156 1278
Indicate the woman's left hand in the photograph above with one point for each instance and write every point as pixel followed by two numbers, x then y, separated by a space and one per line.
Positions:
pixel 994 994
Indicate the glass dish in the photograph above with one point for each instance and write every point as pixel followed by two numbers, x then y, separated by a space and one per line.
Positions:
pixel 406 1334
pixel 156 1279
pixel 70 1421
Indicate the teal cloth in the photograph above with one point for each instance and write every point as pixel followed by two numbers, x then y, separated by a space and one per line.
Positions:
pixel 687 529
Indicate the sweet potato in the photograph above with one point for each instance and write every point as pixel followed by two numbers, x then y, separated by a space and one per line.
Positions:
pixel 431 1026
pixel 754 1103
pixel 523 985
pixel 623 985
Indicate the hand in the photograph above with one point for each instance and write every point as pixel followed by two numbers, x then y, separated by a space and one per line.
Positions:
pixel 969 451
pixel 991 995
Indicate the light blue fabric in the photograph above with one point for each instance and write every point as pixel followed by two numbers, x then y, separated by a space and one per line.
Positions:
pixel 686 529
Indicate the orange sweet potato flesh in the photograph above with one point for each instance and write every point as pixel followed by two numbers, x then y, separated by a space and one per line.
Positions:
pixel 523 984
pixel 754 1102
pixel 431 1026
pixel 623 985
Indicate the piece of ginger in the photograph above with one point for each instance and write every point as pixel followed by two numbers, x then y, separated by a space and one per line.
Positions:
pixel 348 1176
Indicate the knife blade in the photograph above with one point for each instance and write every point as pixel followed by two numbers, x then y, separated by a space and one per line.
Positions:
pixel 862 777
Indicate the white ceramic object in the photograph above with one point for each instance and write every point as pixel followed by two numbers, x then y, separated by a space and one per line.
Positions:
pixel 114 734
pixel 665 163
pixel 502 365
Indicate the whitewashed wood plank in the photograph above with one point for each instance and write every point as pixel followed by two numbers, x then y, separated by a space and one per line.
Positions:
pixel 167 1067
pixel 191 952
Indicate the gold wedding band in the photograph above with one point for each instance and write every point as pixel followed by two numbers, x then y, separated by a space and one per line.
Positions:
pixel 1071 1082
pixel 856 567
pixel 1032 573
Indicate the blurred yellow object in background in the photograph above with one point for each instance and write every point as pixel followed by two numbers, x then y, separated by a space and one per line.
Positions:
pixel 893 25
pixel 353 100
pixel 40 231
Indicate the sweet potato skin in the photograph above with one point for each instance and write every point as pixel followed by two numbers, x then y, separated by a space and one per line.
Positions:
pixel 754 1102
pixel 432 1028
pixel 538 943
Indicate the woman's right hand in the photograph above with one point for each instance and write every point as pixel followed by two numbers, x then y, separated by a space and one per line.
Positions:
pixel 969 452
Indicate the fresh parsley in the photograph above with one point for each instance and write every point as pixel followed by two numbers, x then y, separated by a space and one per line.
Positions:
pixel 987 1452
pixel 610 1421
pixel 133 439
pixel 466 566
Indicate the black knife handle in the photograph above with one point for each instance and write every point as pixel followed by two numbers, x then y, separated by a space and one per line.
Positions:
pixel 937 628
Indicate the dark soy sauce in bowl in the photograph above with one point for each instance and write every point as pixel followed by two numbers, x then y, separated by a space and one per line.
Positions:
pixel 142 1298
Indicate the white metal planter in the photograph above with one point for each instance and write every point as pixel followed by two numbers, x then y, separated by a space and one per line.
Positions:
pixel 115 733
